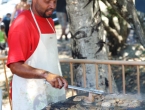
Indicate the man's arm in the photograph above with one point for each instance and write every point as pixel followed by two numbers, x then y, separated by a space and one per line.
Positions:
pixel 23 70
pixel 5 37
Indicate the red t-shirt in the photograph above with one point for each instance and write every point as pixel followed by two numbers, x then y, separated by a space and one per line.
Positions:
pixel 24 36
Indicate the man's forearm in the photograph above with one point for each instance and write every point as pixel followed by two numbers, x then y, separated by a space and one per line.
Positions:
pixel 23 70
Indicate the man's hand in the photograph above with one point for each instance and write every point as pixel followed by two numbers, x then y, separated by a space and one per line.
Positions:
pixel 56 81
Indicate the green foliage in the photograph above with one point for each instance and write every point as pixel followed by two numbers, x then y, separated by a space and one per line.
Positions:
pixel 111 12
pixel 143 52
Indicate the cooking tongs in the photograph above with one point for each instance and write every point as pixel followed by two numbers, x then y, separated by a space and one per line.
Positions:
pixel 86 89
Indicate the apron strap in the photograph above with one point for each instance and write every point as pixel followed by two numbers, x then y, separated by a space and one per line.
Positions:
pixel 51 26
pixel 35 21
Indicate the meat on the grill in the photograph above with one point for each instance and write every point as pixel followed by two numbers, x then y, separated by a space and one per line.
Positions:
pixel 78 98
pixel 89 99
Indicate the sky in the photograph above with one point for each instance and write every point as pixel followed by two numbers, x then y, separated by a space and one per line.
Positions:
pixel 140 5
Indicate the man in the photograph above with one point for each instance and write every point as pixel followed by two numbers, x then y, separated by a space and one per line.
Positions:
pixel 33 58
pixel 62 17
pixel 6 20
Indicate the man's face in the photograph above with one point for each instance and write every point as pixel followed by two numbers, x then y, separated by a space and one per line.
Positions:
pixel 8 15
pixel 44 8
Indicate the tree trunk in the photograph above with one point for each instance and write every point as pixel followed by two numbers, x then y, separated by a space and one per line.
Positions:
pixel 127 10
pixel 138 26
pixel 115 25
pixel 88 42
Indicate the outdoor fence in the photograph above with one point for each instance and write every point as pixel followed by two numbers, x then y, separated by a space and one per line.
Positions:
pixel 135 64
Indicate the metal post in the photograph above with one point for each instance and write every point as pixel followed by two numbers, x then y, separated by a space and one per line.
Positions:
pixel 84 74
pixel 7 85
pixel 0 99
pixel 138 80
pixel 71 73
pixel 123 79
pixel 97 77
pixel 110 79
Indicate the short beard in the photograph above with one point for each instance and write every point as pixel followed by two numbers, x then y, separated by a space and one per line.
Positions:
pixel 42 14
pixel 45 16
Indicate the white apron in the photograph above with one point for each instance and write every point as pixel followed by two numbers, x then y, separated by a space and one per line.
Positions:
pixel 35 94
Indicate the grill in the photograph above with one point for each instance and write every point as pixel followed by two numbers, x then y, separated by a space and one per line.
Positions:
pixel 107 102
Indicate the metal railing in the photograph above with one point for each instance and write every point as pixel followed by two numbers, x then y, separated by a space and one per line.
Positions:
pixel 0 99
pixel 3 59
pixel 137 64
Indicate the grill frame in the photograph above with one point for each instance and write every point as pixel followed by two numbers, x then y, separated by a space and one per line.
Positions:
pixel 68 103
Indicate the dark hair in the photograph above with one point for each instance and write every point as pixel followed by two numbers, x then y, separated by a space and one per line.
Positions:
pixel 2 27
pixel 24 0
pixel 9 14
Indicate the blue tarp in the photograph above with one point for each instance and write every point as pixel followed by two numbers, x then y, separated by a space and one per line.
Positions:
pixel 140 5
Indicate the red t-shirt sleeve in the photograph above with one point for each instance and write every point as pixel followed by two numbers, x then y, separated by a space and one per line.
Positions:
pixel 18 47
pixel 19 41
